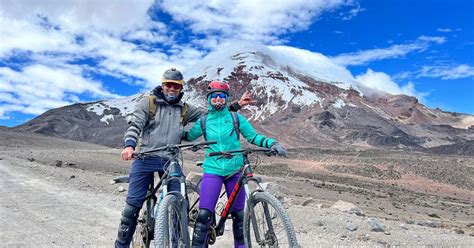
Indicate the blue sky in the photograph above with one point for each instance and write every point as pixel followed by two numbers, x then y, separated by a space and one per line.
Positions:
pixel 55 53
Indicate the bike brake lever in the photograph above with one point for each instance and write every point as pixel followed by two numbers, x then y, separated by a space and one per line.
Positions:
pixel 194 148
pixel 138 155
pixel 270 153
pixel 227 155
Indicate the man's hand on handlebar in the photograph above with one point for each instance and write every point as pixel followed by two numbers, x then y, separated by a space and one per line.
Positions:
pixel 127 153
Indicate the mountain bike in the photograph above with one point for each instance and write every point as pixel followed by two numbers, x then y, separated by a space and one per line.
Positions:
pixel 266 223
pixel 164 219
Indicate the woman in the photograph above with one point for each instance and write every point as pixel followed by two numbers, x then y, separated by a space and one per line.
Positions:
pixel 219 124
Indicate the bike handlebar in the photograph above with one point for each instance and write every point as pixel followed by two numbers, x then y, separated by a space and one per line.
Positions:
pixel 245 151
pixel 172 147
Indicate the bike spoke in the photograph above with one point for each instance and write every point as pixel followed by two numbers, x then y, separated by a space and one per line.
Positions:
pixel 270 227
pixel 267 224
pixel 174 222
pixel 171 225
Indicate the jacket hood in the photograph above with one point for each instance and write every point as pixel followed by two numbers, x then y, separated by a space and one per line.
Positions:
pixel 211 108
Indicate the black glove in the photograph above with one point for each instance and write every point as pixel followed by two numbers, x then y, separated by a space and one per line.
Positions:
pixel 279 149
pixel 184 136
pixel 234 107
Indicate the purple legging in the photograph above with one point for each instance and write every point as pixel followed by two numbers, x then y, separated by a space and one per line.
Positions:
pixel 211 187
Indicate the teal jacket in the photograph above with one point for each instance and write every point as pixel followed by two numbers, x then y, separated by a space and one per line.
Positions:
pixel 219 127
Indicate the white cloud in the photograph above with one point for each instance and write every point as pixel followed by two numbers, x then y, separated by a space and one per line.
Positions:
pixel 352 12
pixel 311 63
pixel 52 34
pixel 255 20
pixel 394 51
pixel 96 30
pixel 7 108
pixel 447 72
pixel 435 39
pixel 147 36
pixel 403 75
pixel 80 16
pixel 23 35
pixel 444 30
pixel 38 88
pixel 383 82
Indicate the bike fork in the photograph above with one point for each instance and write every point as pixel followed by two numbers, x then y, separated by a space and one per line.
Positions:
pixel 253 217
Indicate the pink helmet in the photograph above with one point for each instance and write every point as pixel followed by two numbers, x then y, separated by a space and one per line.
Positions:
pixel 216 86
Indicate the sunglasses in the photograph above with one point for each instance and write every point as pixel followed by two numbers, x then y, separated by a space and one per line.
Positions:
pixel 172 85
pixel 221 95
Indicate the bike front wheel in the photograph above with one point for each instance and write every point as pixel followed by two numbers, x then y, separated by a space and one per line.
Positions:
pixel 192 191
pixel 143 233
pixel 171 222
pixel 267 224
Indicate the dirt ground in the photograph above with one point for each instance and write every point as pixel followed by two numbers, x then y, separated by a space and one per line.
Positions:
pixel 421 199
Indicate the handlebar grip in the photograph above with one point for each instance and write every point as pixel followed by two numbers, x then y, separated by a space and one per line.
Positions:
pixel 210 142
pixel 213 154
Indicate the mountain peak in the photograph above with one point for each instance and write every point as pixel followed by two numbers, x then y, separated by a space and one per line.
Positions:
pixel 221 63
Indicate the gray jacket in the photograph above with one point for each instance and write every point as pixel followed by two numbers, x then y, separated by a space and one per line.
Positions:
pixel 166 128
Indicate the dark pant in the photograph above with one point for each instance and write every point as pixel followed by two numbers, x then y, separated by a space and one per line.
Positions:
pixel 140 177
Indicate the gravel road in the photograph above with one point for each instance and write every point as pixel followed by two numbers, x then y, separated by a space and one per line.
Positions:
pixel 38 210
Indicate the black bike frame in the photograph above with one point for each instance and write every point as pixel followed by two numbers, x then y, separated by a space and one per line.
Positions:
pixel 172 172
pixel 246 175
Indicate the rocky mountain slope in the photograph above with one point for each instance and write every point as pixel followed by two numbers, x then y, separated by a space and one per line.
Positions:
pixel 302 101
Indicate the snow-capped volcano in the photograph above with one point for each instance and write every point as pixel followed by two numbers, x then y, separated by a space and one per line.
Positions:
pixel 303 98
pixel 221 63
pixel 275 71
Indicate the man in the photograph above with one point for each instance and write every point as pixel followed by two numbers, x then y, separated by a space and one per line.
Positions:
pixel 156 121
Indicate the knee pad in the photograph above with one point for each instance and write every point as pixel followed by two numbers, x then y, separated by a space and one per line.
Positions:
pixel 200 228
pixel 238 226
pixel 128 223
pixel 203 216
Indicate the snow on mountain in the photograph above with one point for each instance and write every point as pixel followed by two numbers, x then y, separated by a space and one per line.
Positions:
pixel 124 104
pixel 220 63
pixel 276 71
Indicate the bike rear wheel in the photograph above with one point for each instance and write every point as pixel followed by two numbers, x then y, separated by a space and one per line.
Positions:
pixel 269 221
pixel 171 222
